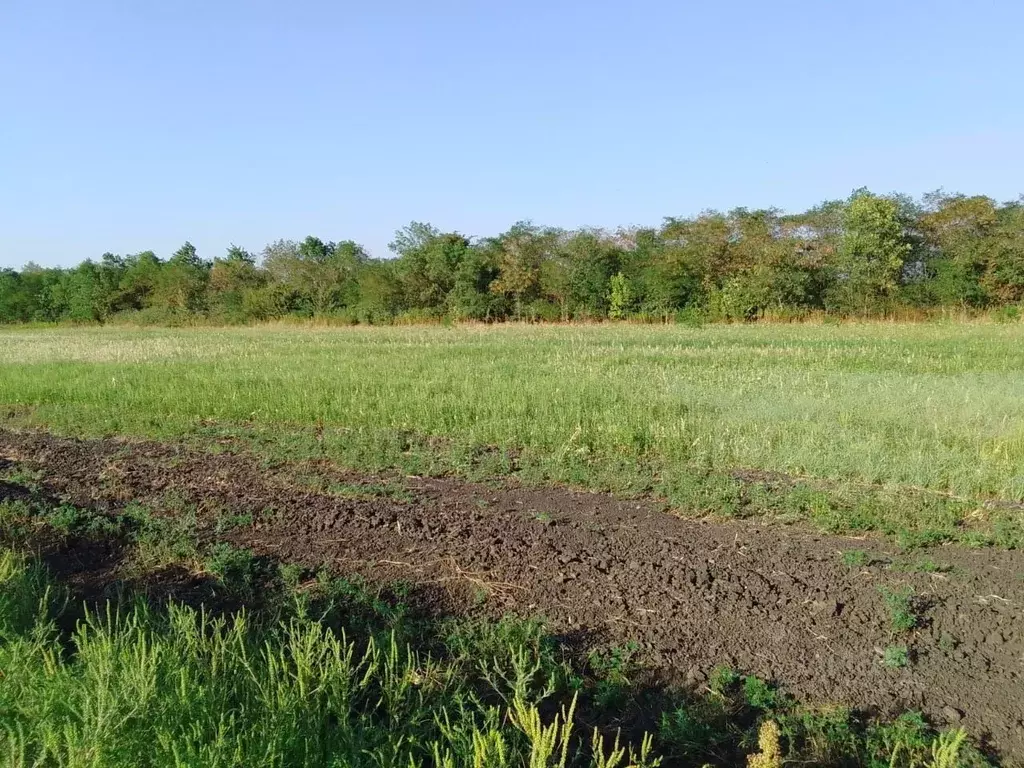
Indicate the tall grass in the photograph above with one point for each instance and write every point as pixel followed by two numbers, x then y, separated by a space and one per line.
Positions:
pixel 135 686
pixel 181 688
pixel 936 406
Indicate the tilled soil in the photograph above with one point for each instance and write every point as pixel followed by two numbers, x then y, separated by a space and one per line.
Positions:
pixel 774 601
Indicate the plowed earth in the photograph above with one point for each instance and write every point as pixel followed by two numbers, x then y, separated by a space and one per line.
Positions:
pixel 774 601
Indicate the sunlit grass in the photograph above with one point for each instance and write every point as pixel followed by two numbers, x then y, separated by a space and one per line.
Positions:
pixel 937 406
pixel 334 676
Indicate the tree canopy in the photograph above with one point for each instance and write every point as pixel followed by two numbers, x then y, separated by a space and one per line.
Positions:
pixel 866 255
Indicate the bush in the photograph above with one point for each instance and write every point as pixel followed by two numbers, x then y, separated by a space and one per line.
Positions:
pixel 1011 313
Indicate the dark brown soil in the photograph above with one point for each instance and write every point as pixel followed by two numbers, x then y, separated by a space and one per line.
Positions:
pixel 773 601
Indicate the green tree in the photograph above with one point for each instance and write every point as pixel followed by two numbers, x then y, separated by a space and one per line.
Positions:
pixel 181 285
pixel 866 254
pixel 521 252
pixel 18 304
pixel 554 282
pixel 959 238
pixel 234 279
pixel 1004 273
pixel 593 260
pixel 429 264
pixel 869 261
pixel 380 292
pixel 140 278
pixel 620 297
pixel 318 277
pixel 43 297
pixel 78 294
pixel 816 235
pixel 766 268
pixel 702 244
pixel 674 277
pixel 470 297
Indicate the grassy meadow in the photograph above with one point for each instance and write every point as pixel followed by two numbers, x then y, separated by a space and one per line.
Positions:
pixel 935 410
pixel 896 428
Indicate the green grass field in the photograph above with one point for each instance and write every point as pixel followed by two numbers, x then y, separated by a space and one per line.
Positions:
pixel 939 407
pixel 902 429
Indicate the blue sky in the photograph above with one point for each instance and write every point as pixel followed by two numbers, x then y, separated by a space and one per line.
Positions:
pixel 138 124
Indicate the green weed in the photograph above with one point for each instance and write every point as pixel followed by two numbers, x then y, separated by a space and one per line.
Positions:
pixel 161 540
pixel 369 491
pixel 29 479
pixel 141 686
pixel 16 521
pixel 611 669
pixel 947 642
pixel 723 679
pixel 228 522
pixel 856 558
pixel 921 565
pixel 824 736
pixel 895 656
pixel 236 568
pixel 899 603
pixel 66 518
pixel 758 694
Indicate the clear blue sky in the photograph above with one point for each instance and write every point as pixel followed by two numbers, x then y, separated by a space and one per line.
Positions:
pixel 139 124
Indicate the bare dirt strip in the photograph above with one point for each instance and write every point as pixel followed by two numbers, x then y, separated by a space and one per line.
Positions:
pixel 775 601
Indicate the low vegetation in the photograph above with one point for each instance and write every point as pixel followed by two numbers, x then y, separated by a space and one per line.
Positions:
pixel 902 609
pixel 195 650
pixel 911 430
pixel 323 671
pixel 896 656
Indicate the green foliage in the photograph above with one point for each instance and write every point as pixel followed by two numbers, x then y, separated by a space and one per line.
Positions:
pixel 520 254
pixel 723 679
pixel 856 558
pixel 921 565
pixel 697 728
pixel 720 728
pixel 147 687
pixel 900 605
pixel 908 734
pixel 134 685
pixel 163 540
pixel 871 254
pixel 234 567
pixel 1010 313
pixel 228 522
pixel 827 735
pixel 620 299
pixel 313 278
pixel 234 284
pixel 26 600
pixel 758 694
pixel 867 255
pixel 16 522
pixel 430 265
pixel 895 656
pixel 612 669
pixel 66 518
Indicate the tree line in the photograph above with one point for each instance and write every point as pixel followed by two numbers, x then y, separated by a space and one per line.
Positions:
pixel 867 255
